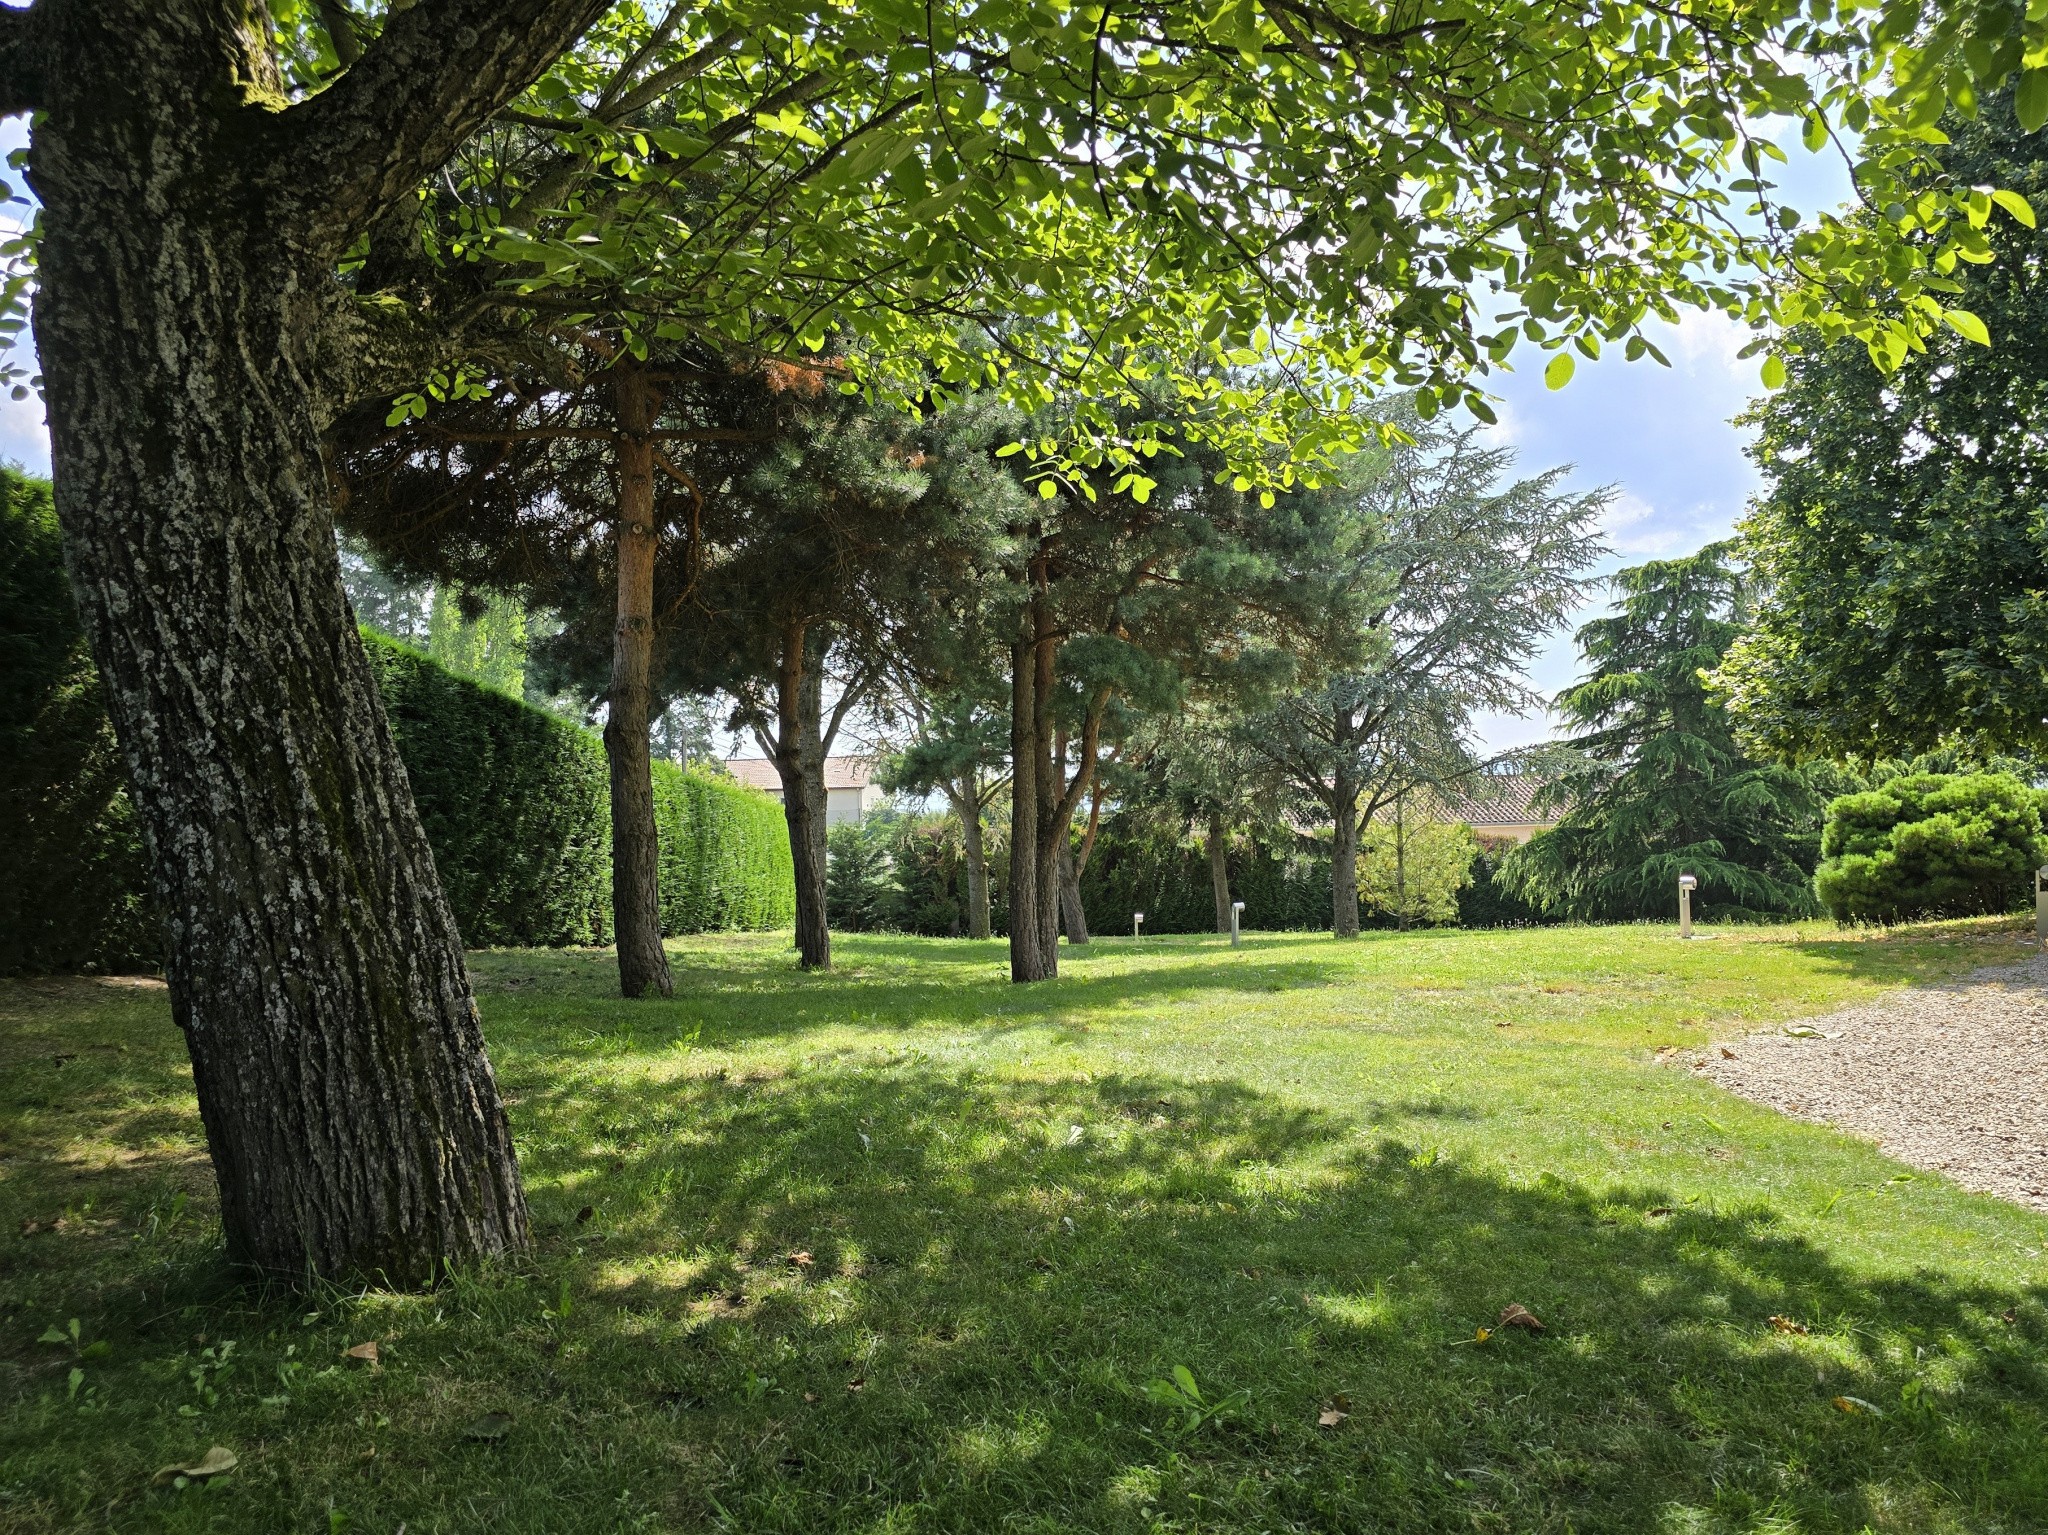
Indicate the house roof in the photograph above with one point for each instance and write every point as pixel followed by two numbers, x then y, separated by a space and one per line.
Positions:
pixel 840 772
pixel 1497 799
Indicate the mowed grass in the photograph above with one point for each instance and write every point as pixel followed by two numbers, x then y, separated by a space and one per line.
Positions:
pixel 904 1248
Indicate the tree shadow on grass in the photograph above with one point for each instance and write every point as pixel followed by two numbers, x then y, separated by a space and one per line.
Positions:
pixel 905 1300
pixel 900 1299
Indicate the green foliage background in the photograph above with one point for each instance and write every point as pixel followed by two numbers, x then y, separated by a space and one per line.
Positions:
pixel 514 801
pixel 72 870
pixel 1933 844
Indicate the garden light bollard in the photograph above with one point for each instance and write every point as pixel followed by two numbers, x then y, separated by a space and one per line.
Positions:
pixel 1686 885
pixel 1137 921
pixel 1236 908
pixel 2041 906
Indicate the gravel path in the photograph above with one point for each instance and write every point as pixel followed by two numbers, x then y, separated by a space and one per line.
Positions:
pixel 1953 1078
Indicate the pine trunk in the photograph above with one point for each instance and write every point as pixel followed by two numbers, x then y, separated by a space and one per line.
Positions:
pixel 1219 872
pixel 1073 916
pixel 800 764
pixel 636 843
pixel 1029 960
pixel 974 848
pixel 1344 862
pixel 314 967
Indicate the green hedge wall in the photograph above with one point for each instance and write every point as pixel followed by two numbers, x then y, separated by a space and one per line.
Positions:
pixel 72 870
pixel 515 802
pixel 1285 886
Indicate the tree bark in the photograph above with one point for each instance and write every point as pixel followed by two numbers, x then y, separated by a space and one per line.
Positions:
pixel 1344 860
pixel 974 851
pixel 799 753
pixel 1073 916
pixel 1219 871
pixel 1029 960
pixel 636 843
pixel 185 317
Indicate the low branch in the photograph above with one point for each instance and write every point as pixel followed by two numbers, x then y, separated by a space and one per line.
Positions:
pixel 435 72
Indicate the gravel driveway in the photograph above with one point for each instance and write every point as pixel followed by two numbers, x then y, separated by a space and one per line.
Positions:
pixel 1953 1078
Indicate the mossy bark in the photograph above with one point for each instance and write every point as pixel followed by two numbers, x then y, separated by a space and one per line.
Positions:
pixel 194 342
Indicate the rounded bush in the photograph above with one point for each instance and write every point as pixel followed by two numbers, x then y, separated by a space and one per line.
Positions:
pixel 1931 844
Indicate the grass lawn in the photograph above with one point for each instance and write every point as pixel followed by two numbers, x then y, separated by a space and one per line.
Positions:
pixel 904 1248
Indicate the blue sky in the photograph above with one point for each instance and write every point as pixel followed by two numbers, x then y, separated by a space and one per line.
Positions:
pixel 1663 437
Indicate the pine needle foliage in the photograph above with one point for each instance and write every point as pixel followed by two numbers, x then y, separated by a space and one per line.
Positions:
pixel 1656 784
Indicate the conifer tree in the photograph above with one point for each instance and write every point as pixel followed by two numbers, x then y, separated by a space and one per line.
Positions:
pixel 1661 787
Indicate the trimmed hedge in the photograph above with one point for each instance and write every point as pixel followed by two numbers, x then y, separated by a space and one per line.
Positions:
pixel 515 803
pixel 72 868
pixel 1284 887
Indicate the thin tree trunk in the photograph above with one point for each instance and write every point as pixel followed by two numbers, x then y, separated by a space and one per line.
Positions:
pixel 1400 867
pixel 1073 916
pixel 1344 861
pixel 974 850
pixel 315 970
pixel 799 753
pixel 1028 959
pixel 636 843
pixel 1219 871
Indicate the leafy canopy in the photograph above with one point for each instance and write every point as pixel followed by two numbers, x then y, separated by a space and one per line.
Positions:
pixel 1353 195
pixel 1901 540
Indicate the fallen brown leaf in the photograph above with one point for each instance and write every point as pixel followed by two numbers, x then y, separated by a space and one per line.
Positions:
pixel 492 1425
pixel 1516 1315
pixel 1330 1417
pixel 2008 1316
pixel 1786 1324
pixel 810 1396
pixel 801 1260
pixel 215 1462
pixel 366 1352
pixel 1657 1210
pixel 856 1383
pixel 1727 1054
pixel 583 1215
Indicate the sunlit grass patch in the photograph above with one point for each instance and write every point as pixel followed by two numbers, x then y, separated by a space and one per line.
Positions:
pixel 905 1247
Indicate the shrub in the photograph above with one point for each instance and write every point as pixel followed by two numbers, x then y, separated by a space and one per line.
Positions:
pixel 861 894
pixel 1930 844
pixel 1431 866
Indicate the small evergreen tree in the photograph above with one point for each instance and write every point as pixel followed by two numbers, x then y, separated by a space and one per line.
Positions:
pixel 1658 786
pixel 1930 844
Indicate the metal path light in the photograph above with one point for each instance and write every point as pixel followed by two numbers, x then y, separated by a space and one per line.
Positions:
pixel 1686 885
pixel 2041 906
pixel 1236 910
pixel 1137 921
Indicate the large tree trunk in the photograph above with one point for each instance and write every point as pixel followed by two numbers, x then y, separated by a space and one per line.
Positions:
pixel 1344 861
pixel 636 844
pixel 800 763
pixel 974 850
pixel 184 314
pixel 1219 871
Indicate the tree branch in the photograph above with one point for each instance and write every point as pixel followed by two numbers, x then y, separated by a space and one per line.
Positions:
pixel 432 75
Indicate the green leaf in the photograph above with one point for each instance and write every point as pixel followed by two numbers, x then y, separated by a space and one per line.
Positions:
pixel 1559 373
pixel 1774 372
pixel 2030 98
pixel 1047 489
pixel 2016 205
pixel 1967 325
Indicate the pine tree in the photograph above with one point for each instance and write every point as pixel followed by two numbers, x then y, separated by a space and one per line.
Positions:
pixel 1658 785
